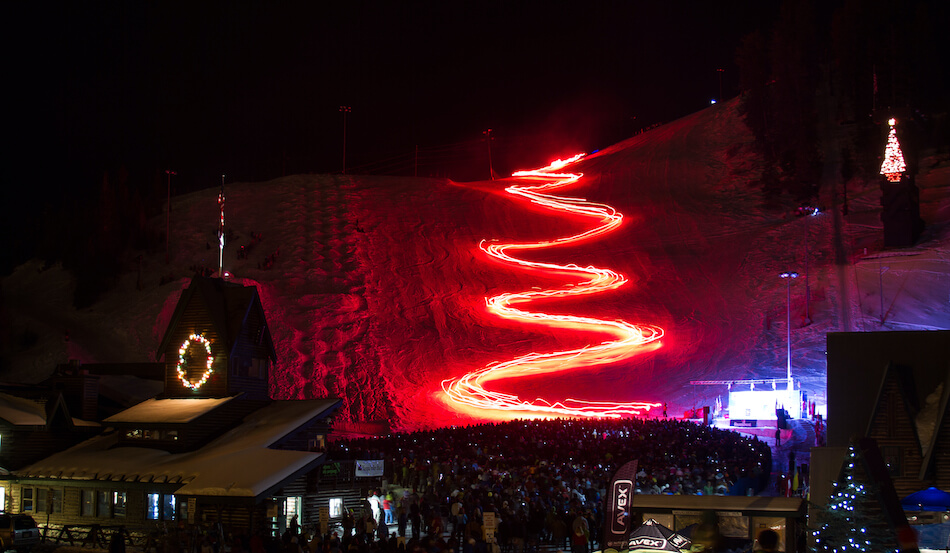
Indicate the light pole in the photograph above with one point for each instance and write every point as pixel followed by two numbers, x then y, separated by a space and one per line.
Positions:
pixel 808 212
pixel 880 281
pixel 221 231
pixel 168 210
pixel 720 71
pixel 491 172
pixel 788 326
pixel 344 110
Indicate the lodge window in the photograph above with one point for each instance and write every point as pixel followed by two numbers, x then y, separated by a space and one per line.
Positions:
pixel 102 503
pixel 160 506
pixel 152 434
pixel 49 500
pixel 336 507
pixel 26 500
pixel 317 443
pixel 118 504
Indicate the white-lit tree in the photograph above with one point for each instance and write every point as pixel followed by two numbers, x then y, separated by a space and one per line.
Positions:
pixel 893 165
pixel 852 519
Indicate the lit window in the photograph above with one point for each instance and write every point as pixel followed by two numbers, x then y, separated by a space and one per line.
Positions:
pixel 168 505
pixel 118 504
pixel 152 503
pixel 336 507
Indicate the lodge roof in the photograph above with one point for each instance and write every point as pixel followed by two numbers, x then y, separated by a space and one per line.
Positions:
pixel 19 411
pixel 238 463
pixel 168 411
pixel 228 304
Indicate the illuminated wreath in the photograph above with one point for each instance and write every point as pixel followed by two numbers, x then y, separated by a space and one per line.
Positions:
pixel 181 361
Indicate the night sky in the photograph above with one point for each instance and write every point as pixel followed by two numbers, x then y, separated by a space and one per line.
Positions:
pixel 253 90
pixel 104 96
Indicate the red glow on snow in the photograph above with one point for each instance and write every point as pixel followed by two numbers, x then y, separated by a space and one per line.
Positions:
pixel 468 394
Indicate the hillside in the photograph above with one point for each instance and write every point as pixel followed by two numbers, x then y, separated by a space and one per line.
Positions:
pixel 375 286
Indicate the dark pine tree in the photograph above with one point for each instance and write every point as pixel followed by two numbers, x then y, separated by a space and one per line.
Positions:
pixel 852 519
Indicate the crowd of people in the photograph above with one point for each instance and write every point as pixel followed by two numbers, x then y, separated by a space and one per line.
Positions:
pixel 541 481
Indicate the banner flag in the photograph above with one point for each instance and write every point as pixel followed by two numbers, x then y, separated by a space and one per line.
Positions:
pixel 619 498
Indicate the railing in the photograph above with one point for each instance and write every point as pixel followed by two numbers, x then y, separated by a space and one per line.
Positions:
pixel 97 536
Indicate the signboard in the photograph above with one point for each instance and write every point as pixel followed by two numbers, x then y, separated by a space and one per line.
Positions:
pixel 619 498
pixel 761 404
pixel 369 468
pixel 324 520
pixel 489 527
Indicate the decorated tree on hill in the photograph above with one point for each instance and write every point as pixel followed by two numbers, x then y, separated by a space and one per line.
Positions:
pixel 893 165
pixel 852 520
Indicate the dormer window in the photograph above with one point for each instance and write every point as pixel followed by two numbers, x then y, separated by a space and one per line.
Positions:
pixel 152 434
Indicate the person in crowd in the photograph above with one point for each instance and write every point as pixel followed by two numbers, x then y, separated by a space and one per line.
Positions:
pixel 542 474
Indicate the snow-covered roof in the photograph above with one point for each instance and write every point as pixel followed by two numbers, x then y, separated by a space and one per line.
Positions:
pixel 21 412
pixel 239 463
pixel 166 411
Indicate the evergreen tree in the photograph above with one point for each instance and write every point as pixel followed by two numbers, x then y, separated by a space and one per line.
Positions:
pixel 852 519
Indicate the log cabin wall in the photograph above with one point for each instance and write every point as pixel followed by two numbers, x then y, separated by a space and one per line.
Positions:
pixel 941 454
pixel 250 365
pixel 896 436
pixel 196 319
pixel 92 503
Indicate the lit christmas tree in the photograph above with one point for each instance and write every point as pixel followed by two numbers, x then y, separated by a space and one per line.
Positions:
pixel 852 520
pixel 893 164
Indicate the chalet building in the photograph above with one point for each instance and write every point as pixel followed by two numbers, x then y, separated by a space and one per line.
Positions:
pixel 894 388
pixel 212 447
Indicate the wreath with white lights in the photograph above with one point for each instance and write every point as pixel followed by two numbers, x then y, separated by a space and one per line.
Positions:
pixel 181 361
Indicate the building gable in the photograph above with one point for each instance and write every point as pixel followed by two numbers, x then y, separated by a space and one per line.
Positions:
pixel 228 320
pixel 893 426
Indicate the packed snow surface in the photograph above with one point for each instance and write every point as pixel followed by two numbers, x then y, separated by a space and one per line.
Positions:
pixel 375 287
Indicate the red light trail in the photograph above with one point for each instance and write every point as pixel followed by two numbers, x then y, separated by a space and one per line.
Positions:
pixel 467 393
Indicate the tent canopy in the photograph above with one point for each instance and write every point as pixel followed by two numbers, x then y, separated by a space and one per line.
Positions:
pixel 930 499
pixel 653 536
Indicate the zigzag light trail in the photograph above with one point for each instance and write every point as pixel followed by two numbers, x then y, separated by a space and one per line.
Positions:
pixel 468 392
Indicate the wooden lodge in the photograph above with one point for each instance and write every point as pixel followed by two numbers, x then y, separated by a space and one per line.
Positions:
pixel 893 387
pixel 212 447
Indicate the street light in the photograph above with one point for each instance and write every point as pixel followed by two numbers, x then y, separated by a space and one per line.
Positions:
pixel 720 71
pixel 788 327
pixel 344 110
pixel 168 211
pixel 808 212
pixel 491 172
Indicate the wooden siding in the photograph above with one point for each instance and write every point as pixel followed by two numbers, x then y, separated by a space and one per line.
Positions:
pixel 941 455
pixel 71 512
pixel 23 445
pixel 196 319
pixel 197 433
pixel 314 496
pixel 251 343
pixel 300 440
pixel 893 429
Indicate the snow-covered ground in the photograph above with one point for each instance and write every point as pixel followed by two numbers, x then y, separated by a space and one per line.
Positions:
pixel 375 286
